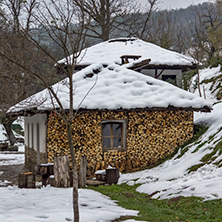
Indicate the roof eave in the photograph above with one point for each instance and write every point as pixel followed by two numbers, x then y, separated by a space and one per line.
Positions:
pixel 34 111
pixel 184 68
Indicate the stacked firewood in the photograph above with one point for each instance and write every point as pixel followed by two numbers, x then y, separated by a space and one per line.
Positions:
pixel 151 135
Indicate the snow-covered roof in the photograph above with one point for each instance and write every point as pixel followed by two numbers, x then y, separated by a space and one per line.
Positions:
pixel 110 52
pixel 113 87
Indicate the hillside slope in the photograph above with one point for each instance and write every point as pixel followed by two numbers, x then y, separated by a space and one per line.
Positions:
pixel 195 169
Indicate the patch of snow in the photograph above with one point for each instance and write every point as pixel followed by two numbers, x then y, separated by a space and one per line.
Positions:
pixel 1 172
pixel 114 87
pixel 100 172
pixel 11 158
pixel 4 183
pixel 110 167
pixel 55 204
pixel 110 52
pixel 3 134
pixel 131 183
pixel 21 147
pixel 46 164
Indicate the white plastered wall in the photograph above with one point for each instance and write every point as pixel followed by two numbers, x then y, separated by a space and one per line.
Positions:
pixel 178 73
pixel 30 122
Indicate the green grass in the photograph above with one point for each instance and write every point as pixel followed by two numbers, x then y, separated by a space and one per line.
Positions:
pixel 176 209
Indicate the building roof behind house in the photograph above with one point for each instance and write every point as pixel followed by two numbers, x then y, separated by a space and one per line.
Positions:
pixel 113 87
pixel 110 52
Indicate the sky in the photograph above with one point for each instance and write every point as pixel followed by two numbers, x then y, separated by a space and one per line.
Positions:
pixel 174 4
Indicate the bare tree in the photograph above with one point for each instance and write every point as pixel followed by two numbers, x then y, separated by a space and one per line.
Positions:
pixel 61 20
pixel 206 32
pixel 108 16
pixel 16 83
pixel 163 29
pixel 141 24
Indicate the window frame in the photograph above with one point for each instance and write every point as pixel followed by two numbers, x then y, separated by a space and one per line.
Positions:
pixel 123 135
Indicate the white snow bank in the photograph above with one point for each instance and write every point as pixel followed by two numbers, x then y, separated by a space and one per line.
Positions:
pixel 208 88
pixel 110 52
pixel 55 205
pixel 205 183
pixel 11 158
pixel 113 87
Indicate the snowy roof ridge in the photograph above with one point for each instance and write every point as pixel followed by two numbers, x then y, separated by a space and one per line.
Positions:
pixel 113 87
pixel 110 51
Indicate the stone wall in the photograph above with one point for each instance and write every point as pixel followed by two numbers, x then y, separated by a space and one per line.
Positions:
pixel 151 135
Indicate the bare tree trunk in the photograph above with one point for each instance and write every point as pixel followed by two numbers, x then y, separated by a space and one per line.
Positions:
pixel 7 123
pixel 75 174
pixel 198 80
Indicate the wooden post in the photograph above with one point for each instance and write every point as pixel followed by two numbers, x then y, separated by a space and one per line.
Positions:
pixel 204 92
pixel 61 171
pixel 112 175
pixel 26 180
pixel 82 171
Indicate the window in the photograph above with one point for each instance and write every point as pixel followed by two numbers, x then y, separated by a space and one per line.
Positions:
pixel 114 135
pixel 170 78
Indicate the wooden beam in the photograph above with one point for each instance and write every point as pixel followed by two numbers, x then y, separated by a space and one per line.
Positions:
pixel 160 73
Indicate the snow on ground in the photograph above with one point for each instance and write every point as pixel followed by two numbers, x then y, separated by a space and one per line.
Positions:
pixel 4 183
pixel 55 205
pixel 210 88
pixel 11 158
pixel 21 147
pixel 2 133
pixel 172 178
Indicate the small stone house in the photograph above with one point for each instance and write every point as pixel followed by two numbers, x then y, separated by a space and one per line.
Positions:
pixel 128 120
pixel 138 55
